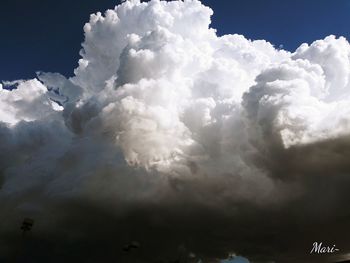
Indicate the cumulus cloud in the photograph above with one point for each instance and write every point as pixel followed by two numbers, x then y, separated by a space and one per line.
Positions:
pixel 181 139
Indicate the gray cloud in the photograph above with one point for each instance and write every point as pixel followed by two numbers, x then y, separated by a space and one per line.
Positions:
pixel 180 140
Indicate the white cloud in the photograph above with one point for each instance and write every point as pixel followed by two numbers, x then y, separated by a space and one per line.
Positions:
pixel 29 101
pixel 160 104
pixel 158 83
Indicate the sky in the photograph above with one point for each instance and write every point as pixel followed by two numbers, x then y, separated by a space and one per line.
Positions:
pixel 194 144
pixel 47 35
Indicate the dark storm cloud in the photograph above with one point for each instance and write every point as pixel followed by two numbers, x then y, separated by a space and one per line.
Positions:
pixel 190 145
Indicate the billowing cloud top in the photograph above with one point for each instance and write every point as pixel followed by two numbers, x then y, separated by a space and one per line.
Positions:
pixel 169 125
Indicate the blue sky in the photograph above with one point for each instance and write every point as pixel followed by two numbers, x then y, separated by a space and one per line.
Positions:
pixel 46 35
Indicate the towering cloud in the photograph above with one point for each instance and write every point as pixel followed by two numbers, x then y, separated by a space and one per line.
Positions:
pixel 193 144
